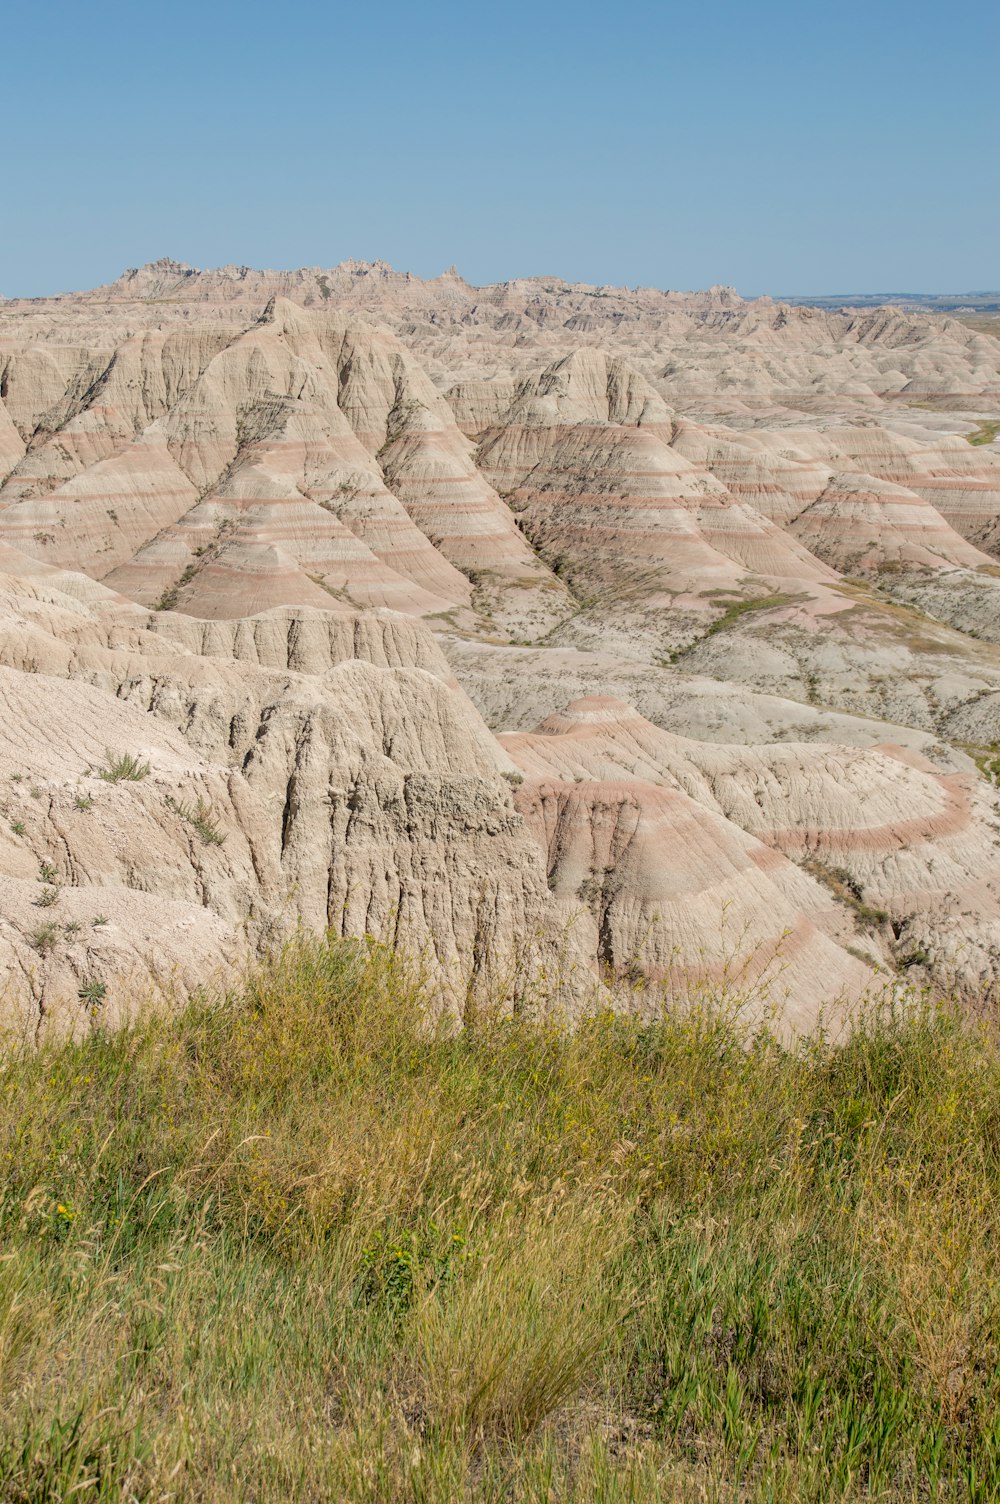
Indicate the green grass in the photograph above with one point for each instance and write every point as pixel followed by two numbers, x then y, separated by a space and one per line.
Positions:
pixel 733 613
pixel 738 609
pixel 986 758
pixel 986 433
pixel 988 763
pixel 301 1246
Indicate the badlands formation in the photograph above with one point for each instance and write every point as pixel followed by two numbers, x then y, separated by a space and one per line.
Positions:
pixel 554 632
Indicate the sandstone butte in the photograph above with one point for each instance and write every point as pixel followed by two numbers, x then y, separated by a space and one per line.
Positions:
pixel 549 631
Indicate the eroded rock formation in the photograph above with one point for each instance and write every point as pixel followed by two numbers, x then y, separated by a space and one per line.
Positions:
pixel 625 633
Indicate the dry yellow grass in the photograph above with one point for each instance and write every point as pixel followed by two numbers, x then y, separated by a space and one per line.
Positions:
pixel 301 1245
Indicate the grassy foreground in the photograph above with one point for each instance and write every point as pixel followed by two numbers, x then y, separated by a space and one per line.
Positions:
pixel 300 1247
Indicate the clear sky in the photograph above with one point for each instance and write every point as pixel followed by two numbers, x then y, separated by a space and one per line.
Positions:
pixel 778 146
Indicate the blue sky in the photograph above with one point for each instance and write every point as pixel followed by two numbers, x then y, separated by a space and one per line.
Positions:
pixel 779 147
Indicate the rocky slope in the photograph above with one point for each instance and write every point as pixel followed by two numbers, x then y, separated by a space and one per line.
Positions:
pixel 636 633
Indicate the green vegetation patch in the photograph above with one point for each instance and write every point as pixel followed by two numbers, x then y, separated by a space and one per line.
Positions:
pixel 738 609
pixel 987 760
pixel 986 433
pixel 733 612
pixel 302 1245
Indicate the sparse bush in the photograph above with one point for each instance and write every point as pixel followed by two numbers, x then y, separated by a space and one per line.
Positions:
pixel 871 917
pixel 123 767
pixel 169 598
pixel 849 891
pixel 93 993
pixel 83 802
pixel 49 896
pixel 201 818
pixel 45 938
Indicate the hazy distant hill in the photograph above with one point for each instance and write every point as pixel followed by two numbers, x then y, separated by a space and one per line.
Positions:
pixel 924 302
